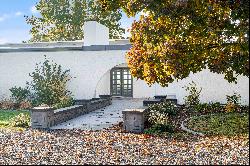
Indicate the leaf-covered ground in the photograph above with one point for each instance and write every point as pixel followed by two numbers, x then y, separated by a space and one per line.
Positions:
pixel 109 147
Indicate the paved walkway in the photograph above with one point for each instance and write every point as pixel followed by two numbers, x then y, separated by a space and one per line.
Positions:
pixel 101 118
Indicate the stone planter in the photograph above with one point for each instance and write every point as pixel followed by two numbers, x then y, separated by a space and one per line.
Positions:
pixel 42 117
pixel 133 120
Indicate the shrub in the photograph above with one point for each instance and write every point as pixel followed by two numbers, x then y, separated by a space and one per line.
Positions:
pixel 193 98
pixel 25 105
pixel 159 128
pixel 158 113
pixel 165 107
pixel 209 107
pixel 19 94
pixel 7 104
pixel 244 108
pixel 21 120
pixel 157 117
pixel 49 83
pixel 235 99
pixel 65 102
pixel 233 103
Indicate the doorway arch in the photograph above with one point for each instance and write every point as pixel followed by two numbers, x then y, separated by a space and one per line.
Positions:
pixel 121 81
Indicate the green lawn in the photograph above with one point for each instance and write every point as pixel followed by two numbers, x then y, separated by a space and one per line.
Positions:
pixel 221 124
pixel 6 115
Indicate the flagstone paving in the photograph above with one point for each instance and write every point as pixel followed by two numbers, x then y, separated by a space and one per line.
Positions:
pixel 102 118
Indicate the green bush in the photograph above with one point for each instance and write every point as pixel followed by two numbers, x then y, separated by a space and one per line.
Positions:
pixel 165 107
pixel 159 128
pixel 209 107
pixel 233 103
pixel 64 102
pixel 235 99
pixel 192 100
pixel 159 117
pixel 244 108
pixel 49 84
pixel 19 94
pixel 25 105
pixel 21 120
pixel 159 113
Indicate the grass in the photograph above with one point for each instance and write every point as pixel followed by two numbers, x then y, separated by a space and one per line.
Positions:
pixel 229 124
pixel 6 115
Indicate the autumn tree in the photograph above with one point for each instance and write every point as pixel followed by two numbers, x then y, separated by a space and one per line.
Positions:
pixel 63 20
pixel 179 37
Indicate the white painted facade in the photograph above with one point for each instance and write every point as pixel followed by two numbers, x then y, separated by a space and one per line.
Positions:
pixel 91 76
pixel 90 71
pixel 95 34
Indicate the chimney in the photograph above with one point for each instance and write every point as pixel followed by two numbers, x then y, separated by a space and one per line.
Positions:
pixel 95 34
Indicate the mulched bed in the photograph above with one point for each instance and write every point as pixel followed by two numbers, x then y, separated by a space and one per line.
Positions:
pixel 113 147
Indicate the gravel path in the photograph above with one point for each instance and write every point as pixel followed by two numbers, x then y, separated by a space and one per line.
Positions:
pixel 101 118
pixel 106 147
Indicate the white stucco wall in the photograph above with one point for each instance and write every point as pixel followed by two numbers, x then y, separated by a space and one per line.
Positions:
pixel 103 85
pixel 95 34
pixel 86 68
pixel 214 88
pixel 91 76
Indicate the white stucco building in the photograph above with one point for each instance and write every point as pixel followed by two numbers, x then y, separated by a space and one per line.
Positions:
pixel 98 67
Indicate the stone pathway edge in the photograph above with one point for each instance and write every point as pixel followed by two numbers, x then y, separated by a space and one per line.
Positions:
pixel 183 127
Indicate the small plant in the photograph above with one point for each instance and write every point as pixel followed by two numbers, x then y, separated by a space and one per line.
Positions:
pixel 19 94
pixel 233 103
pixel 21 120
pixel 235 99
pixel 193 98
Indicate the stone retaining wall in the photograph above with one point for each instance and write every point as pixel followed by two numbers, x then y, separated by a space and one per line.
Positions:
pixel 47 117
pixel 64 114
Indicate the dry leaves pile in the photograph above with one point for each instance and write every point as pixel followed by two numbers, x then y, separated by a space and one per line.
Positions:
pixel 106 147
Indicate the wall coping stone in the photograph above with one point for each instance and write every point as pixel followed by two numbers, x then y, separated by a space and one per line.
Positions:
pixel 42 109
pixel 55 49
pixel 67 108
pixel 139 110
